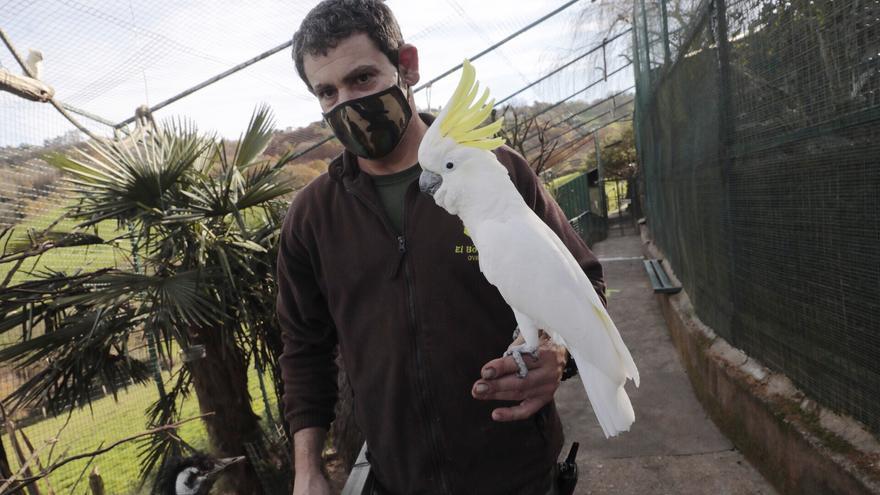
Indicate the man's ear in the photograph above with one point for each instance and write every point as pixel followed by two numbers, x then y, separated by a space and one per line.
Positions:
pixel 408 61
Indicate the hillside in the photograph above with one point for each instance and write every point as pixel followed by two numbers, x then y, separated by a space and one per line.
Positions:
pixel 30 189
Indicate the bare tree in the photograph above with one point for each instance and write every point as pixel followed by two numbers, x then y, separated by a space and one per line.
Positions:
pixel 522 129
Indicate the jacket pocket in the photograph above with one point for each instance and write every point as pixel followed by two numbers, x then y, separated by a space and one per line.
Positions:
pixel 539 419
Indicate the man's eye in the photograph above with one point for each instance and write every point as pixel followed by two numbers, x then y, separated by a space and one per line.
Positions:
pixel 363 78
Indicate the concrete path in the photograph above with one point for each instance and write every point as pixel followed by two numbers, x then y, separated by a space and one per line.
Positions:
pixel 673 447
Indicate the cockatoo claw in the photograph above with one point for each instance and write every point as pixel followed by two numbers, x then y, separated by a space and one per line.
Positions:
pixel 515 333
pixel 516 352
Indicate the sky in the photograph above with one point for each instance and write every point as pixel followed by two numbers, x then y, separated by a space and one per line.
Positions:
pixel 110 56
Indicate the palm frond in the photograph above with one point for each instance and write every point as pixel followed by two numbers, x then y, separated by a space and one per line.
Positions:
pixel 36 243
pixel 130 182
pixel 263 184
pixel 256 138
pixel 34 302
pixel 86 352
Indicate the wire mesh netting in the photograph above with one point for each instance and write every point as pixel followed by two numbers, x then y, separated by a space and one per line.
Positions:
pixel 108 58
pixel 758 135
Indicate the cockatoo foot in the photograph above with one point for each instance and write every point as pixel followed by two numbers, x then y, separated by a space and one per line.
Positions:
pixel 516 352
pixel 515 333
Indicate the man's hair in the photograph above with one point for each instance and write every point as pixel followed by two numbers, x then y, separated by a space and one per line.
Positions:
pixel 332 21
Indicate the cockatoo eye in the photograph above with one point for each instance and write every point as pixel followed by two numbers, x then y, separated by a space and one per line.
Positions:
pixel 450 165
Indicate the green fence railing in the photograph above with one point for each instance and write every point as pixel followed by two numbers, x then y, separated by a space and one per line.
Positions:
pixel 573 197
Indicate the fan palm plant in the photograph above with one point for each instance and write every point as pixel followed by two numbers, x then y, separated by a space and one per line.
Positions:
pixel 202 221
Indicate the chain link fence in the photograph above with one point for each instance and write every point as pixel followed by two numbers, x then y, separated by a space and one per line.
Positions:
pixel 757 129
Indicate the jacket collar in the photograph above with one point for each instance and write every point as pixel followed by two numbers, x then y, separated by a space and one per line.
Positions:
pixel 344 167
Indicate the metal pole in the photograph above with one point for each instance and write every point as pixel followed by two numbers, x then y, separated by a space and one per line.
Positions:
pixel 52 101
pixel 151 339
pixel 601 175
pixel 84 113
pixel 594 105
pixel 647 42
pixel 725 154
pixel 587 87
pixel 212 80
pixel 619 213
pixel 582 124
pixel 667 55
pixel 579 57
pixel 496 45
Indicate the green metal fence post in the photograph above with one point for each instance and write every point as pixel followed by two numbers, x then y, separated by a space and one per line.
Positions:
pixel 725 152
pixel 151 339
pixel 601 173
pixel 647 42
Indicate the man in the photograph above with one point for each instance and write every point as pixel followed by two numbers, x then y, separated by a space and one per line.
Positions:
pixel 371 265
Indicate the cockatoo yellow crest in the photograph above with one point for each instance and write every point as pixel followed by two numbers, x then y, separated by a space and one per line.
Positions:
pixel 463 115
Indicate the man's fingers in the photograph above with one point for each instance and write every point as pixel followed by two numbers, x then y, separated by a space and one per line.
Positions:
pixel 497 368
pixel 538 392
pixel 523 410
pixel 512 387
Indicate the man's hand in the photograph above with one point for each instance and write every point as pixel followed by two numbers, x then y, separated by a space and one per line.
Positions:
pixel 500 382
pixel 311 484
pixel 309 475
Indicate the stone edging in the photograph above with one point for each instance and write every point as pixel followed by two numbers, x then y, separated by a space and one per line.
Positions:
pixel 798 445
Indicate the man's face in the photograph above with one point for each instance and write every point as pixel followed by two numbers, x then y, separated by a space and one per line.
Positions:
pixel 354 68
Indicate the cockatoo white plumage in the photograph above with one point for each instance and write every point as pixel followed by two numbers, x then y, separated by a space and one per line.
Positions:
pixel 521 256
pixel 34 63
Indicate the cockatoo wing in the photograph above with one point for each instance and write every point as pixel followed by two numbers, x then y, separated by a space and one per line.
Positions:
pixel 597 305
pixel 550 288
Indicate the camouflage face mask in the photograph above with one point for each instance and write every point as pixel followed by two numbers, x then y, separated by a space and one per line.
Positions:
pixel 371 126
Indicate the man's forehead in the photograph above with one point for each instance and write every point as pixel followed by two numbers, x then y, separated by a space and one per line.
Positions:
pixel 352 52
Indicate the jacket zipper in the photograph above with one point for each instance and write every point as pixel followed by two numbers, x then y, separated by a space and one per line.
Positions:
pixel 421 371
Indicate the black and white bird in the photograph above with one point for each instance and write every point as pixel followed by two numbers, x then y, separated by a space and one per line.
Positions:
pixel 193 475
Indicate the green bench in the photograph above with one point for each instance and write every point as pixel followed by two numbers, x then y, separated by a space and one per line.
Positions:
pixel 659 279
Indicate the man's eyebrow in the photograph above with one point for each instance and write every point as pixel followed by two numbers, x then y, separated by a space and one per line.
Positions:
pixel 352 74
pixel 320 87
pixel 357 71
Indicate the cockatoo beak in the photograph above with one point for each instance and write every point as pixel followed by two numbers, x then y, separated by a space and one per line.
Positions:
pixel 429 182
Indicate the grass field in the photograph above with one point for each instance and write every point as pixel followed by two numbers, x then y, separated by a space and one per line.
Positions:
pixel 68 259
pixel 111 420
pixel 615 194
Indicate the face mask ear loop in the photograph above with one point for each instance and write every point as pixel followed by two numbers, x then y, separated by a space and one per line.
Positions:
pixel 407 89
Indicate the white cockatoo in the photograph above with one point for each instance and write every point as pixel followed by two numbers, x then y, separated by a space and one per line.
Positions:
pixel 521 256
pixel 34 63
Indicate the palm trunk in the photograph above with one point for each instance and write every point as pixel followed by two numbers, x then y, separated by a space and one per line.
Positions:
pixel 220 382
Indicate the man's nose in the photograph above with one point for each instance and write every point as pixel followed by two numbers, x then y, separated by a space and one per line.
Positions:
pixel 345 95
